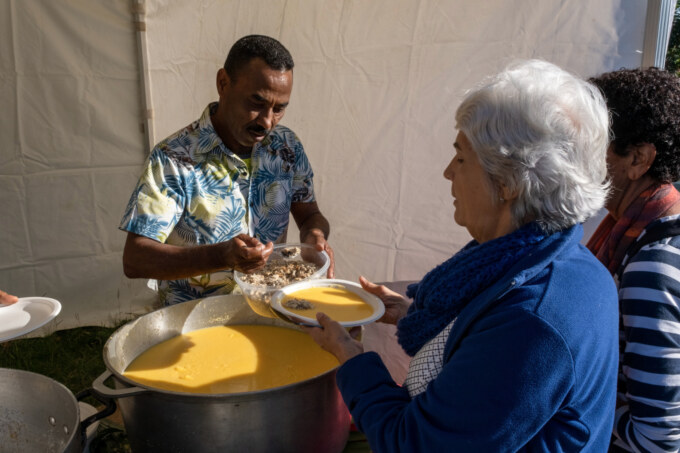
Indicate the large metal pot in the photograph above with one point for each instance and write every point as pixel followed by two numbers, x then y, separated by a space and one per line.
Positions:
pixel 38 414
pixel 308 416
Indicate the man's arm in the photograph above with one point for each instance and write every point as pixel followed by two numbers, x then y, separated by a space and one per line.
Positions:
pixel 314 229
pixel 309 220
pixel 146 258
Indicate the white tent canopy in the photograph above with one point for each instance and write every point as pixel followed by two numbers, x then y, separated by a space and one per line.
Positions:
pixel 376 87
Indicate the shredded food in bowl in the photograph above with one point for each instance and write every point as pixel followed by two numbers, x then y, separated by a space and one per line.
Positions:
pixel 279 273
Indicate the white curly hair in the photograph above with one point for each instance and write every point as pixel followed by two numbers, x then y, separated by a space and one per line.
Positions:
pixel 543 134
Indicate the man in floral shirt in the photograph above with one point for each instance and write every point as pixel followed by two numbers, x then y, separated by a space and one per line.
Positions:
pixel 217 194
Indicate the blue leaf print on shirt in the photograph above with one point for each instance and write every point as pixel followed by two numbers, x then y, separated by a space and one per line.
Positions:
pixel 182 291
pixel 225 226
pixel 270 230
pixel 210 184
pixel 189 289
pixel 173 186
pixel 187 234
pixel 132 202
pixel 149 226
pixel 208 140
pixel 229 222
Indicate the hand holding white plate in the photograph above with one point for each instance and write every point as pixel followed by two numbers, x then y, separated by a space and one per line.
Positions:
pixel 26 315
pixel 344 301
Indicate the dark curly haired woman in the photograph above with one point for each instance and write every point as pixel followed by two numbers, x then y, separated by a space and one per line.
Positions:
pixel 639 242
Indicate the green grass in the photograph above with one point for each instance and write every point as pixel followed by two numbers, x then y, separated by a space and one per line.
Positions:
pixel 72 357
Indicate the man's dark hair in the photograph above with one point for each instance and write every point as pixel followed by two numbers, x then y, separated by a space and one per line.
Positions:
pixel 257 46
pixel 645 108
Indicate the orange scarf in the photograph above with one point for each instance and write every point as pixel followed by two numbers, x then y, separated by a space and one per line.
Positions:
pixel 610 242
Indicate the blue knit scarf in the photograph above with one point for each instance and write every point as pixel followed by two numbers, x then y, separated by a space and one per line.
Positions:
pixel 444 291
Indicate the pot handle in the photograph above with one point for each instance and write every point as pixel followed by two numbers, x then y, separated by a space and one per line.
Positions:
pixel 103 391
pixel 108 410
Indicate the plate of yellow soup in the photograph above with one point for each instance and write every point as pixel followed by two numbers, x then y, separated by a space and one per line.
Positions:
pixel 343 301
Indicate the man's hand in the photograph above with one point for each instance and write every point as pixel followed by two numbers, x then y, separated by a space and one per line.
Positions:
pixel 147 258
pixel 314 229
pixel 7 299
pixel 317 238
pixel 332 337
pixel 247 254
pixel 395 305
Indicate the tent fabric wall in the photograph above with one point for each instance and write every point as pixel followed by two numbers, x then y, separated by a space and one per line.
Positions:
pixel 72 150
pixel 375 91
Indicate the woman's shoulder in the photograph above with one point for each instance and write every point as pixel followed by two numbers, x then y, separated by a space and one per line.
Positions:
pixel 578 274
pixel 569 265
pixel 566 282
pixel 666 250
pixel 656 266
pixel 575 292
pixel 662 247
pixel 661 231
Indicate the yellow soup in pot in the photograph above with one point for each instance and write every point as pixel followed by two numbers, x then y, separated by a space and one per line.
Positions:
pixel 231 359
pixel 339 303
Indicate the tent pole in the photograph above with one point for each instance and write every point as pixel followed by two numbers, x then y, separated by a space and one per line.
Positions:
pixel 139 19
pixel 657 32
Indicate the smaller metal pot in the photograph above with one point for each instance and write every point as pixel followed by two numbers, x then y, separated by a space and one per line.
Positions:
pixel 40 414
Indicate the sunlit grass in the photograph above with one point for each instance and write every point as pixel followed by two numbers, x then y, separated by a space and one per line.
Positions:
pixel 72 357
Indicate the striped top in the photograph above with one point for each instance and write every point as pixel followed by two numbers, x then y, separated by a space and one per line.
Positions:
pixel 649 378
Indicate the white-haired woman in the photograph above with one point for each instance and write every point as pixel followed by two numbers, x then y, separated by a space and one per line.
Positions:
pixel 514 338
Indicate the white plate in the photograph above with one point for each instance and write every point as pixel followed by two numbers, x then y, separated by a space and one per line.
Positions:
pixel 26 315
pixel 370 299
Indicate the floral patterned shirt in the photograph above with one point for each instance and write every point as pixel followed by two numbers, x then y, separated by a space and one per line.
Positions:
pixel 194 190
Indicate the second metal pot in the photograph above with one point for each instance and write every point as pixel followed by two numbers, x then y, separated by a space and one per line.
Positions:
pixel 38 414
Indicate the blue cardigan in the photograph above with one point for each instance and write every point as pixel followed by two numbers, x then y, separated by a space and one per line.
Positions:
pixel 530 365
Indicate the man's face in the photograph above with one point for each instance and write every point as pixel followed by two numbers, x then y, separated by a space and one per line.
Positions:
pixel 252 104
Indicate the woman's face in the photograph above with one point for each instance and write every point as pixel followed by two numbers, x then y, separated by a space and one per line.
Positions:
pixel 474 195
pixel 617 170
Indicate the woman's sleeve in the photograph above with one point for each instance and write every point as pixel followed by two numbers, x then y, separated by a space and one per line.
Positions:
pixel 479 401
pixel 649 296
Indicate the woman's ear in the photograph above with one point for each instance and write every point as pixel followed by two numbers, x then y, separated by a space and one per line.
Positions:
pixel 643 157
pixel 505 193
